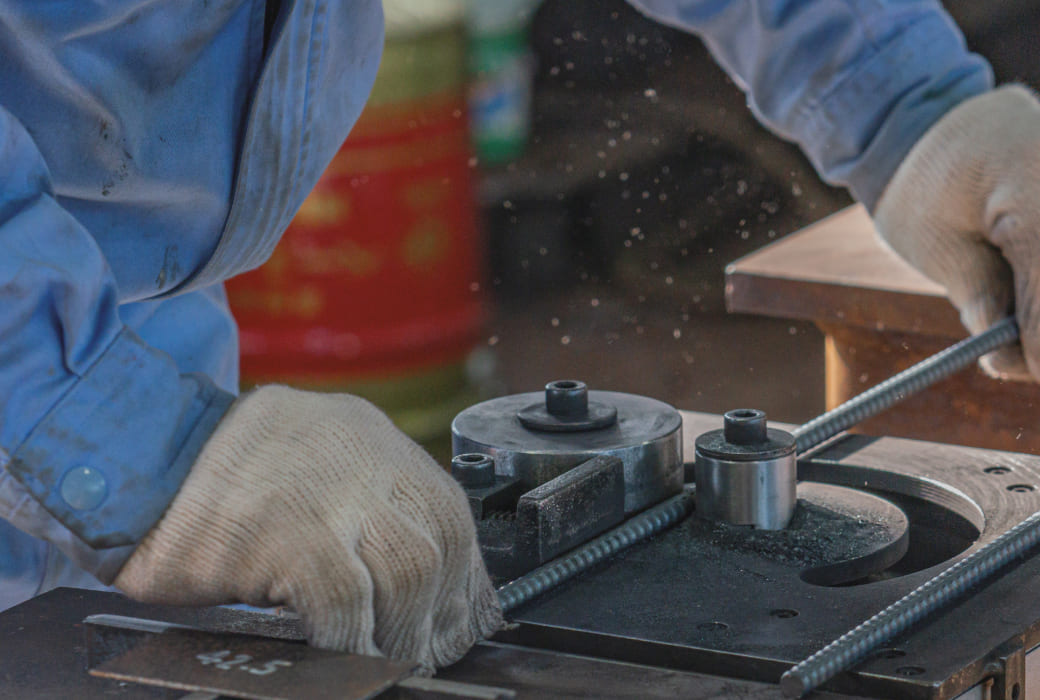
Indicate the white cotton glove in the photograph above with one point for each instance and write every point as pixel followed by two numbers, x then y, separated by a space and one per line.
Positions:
pixel 964 208
pixel 318 502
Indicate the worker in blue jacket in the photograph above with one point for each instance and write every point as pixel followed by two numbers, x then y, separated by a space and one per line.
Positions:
pixel 150 149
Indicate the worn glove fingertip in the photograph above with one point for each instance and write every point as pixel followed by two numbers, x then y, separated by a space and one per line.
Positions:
pixel 1008 364
pixel 472 615
pixel 1029 351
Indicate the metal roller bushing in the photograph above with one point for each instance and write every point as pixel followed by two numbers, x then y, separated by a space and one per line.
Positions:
pixel 473 470
pixel 536 437
pixel 746 473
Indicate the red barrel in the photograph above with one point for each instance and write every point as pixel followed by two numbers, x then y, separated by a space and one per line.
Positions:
pixel 376 287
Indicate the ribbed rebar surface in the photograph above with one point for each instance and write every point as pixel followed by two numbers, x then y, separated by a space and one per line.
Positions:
pixel 939 591
pixel 908 382
pixel 635 529
pixel 855 645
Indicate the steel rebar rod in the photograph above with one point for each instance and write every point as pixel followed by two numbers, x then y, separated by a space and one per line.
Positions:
pixel 563 568
pixel 908 382
pixel 930 596
pixel 942 589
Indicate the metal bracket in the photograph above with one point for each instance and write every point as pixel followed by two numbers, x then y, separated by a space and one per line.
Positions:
pixel 1009 667
pixel 571 509
pixel 553 518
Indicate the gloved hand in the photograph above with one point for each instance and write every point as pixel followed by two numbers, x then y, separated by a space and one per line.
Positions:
pixel 317 501
pixel 964 208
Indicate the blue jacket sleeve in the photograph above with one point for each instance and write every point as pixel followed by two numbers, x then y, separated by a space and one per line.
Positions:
pixel 97 428
pixel 854 82
pixel 148 151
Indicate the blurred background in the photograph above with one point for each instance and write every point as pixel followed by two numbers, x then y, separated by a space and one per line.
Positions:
pixel 549 190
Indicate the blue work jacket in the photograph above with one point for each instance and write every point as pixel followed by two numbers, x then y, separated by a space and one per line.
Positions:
pixel 150 149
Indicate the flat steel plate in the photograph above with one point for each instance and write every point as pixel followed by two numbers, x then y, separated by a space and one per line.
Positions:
pixel 681 600
pixel 252 667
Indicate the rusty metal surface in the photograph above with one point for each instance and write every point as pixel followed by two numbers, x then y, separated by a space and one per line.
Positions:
pixel 250 667
pixel 545 675
pixel 45 658
pixel 879 316
pixel 836 270
pixel 969 408
pixel 44 647
pixel 116 643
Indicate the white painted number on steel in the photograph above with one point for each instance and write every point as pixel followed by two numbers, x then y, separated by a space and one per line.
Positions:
pixel 220 660
pixel 269 667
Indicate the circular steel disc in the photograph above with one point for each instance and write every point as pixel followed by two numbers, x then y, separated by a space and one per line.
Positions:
pixel 837 535
pixel 647 438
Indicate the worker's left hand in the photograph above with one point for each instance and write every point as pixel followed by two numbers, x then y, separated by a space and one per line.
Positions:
pixel 964 208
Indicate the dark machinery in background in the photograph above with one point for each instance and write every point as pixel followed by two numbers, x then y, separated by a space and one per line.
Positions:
pixel 644 154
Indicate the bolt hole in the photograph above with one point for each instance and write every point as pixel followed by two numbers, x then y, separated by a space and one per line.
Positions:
pixel 1016 690
pixel 910 670
pixel 997 470
pixel 891 653
pixel 784 613
pixel 745 413
pixel 1021 488
pixel 712 626
pixel 472 458
pixel 565 384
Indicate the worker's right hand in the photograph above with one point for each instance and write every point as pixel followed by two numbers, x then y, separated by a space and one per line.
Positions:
pixel 318 502
pixel 964 208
